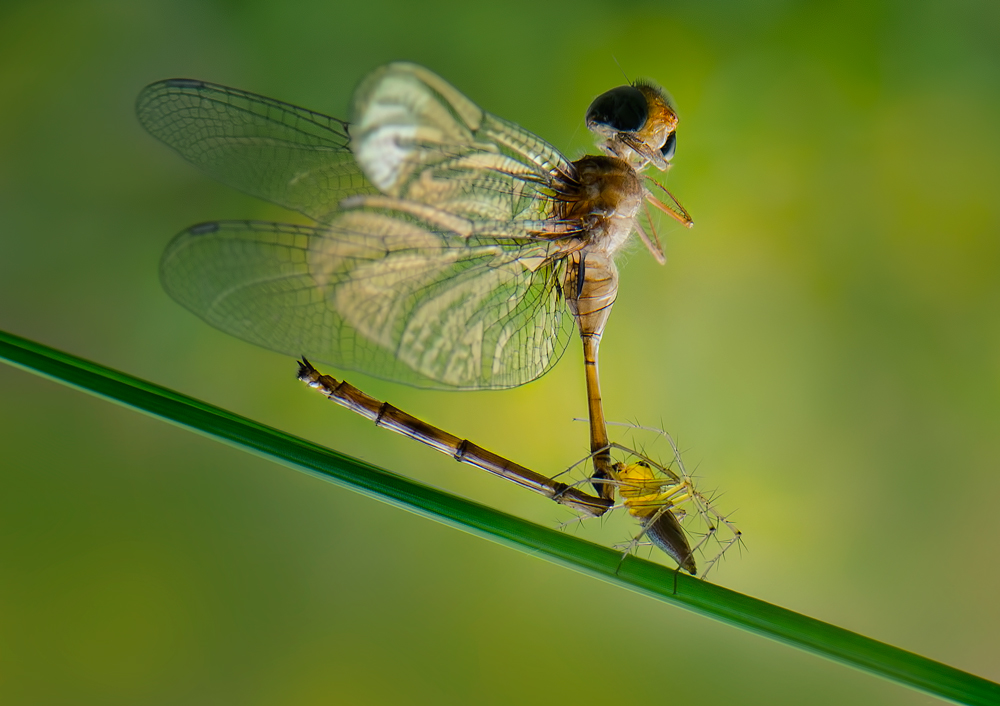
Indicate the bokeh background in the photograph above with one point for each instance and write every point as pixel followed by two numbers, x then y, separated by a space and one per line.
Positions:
pixel 825 344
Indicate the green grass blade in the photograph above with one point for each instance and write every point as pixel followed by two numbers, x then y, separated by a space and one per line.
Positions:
pixel 636 574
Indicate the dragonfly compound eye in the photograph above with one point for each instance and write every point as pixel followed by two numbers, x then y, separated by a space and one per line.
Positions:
pixel 669 147
pixel 623 109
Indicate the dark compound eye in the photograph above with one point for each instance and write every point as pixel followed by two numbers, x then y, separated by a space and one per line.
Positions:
pixel 623 109
pixel 669 147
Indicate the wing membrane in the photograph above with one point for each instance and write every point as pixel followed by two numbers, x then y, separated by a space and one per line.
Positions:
pixel 287 155
pixel 378 294
pixel 417 138
pixel 438 260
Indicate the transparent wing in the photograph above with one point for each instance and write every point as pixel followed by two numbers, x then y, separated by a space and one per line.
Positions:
pixel 287 155
pixel 440 255
pixel 381 294
pixel 417 138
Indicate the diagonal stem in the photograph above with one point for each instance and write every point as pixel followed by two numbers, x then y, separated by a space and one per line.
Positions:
pixel 639 575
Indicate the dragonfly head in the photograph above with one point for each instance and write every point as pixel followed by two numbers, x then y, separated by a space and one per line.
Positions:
pixel 636 123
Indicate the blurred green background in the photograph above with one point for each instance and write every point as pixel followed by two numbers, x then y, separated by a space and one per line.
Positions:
pixel 825 344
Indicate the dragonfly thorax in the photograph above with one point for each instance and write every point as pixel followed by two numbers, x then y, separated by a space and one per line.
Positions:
pixel 610 194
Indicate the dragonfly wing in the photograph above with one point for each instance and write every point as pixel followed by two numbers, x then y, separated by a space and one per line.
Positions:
pixel 380 294
pixel 440 268
pixel 287 155
pixel 418 138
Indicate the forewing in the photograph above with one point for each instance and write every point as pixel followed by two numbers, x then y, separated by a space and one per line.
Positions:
pixel 417 138
pixel 381 294
pixel 287 155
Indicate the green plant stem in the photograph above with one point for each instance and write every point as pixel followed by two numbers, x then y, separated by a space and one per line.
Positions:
pixel 637 574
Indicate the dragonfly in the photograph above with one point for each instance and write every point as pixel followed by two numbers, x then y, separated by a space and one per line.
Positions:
pixel 450 248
